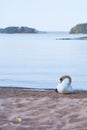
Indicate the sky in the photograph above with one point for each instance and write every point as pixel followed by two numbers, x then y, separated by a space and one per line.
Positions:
pixel 43 15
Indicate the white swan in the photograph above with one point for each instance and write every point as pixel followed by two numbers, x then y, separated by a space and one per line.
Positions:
pixel 65 85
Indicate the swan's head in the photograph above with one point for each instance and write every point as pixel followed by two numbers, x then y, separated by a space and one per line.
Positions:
pixel 65 78
pixel 61 80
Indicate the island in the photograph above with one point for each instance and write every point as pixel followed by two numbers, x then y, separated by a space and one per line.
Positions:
pixel 15 29
pixel 79 28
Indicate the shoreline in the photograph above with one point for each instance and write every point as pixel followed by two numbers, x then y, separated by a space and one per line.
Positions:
pixel 26 88
pixel 42 110
pixel 20 91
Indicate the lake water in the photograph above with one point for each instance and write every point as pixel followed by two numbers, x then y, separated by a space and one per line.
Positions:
pixel 38 60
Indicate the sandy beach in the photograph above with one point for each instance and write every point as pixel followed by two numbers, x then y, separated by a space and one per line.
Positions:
pixel 22 109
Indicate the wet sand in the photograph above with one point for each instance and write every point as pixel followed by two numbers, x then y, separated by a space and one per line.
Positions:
pixel 42 110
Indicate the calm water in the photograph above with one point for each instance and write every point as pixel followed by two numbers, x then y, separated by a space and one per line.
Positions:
pixel 38 60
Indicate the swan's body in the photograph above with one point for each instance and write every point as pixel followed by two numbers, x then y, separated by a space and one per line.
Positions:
pixel 65 85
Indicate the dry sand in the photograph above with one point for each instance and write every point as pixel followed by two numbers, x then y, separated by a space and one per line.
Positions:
pixel 42 110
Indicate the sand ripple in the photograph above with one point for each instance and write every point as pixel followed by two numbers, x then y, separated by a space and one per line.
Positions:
pixel 42 110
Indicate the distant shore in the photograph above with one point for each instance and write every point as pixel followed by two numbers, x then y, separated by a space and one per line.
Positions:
pixel 16 29
pixel 42 110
